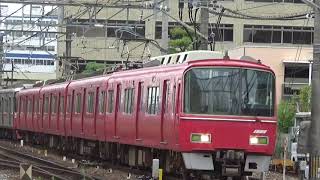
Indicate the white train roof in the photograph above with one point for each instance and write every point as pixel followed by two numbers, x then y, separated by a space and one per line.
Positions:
pixel 187 56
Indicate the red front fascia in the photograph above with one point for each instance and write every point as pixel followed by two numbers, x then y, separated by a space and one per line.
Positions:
pixel 227 135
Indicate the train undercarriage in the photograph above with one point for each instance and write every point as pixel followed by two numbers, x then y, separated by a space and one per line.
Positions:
pixel 213 165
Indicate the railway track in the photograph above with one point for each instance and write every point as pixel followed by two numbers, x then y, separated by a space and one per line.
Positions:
pixel 12 159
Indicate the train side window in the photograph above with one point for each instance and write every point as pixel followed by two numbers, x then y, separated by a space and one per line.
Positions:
pixel 78 104
pixel 61 104
pixel 9 104
pixel 166 102
pixel 169 60
pixel 54 104
pixel 29 106
pixel 153 100
pixel 174 99
pixel 110 101
pixel 128 100
pixel 4 103
pixel 177 61
pixel 46 104
pixel 90 101
pixel 69 103
pixel 102 102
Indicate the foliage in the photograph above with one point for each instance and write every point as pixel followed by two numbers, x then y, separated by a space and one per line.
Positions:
pixel 180 40
pixel 93 67
pixel 286 113
pixel 304 99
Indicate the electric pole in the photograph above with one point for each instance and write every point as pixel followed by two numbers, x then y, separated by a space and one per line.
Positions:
pixel 314 140
pixel 165 24
pixel 204 24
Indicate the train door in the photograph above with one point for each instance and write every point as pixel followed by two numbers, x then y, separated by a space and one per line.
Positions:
pixel 89 109
pixel 166 117
pixel 109 117
pixel 61 113
pixel 69 113
pixel 100 113
pixel 77 118
pixel 117 110
pixel 53 113
pixel 139 107
pixel 176 109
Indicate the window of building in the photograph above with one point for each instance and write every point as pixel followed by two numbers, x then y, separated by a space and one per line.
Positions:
pixel 225 32
pixel 128 100
pixel 278 34
pixel 135 27
pixel 102 102
pixel 61 105
pixel 78 104
pixel 110 101
pixel 277 1
pixel 90 102
pixel 153 100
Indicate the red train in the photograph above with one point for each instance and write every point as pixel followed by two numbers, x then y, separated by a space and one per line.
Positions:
pixel 196 111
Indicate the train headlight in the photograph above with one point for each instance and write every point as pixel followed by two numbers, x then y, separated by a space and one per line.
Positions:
pixel 200 138
pixel 259 140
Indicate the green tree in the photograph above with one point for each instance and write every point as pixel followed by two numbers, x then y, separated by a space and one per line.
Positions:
pixel 180 40
pixel 304 99
pixel 286 113
pixel 93 67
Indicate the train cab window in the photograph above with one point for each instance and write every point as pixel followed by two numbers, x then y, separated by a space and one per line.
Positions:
pixel 78 104
pixel 46 104
pixel 128 100
pixel 102 102
pixel 110 101
pixel 177 61
pixel 153 100
pixel 61 105
pixel 54 105
pixel 90 102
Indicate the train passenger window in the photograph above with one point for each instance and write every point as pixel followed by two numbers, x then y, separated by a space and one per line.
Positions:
pixel 35 108
pixel 46 104
pixel 128 100
pixel 174 98
pixel 69 103
pixel 4 105
pixel 153 100
pixel 61 104
pixel 78 104
pixel 9 105
pixel 102 102
pixel 90 102
pixel 110 101
pixel 54 105
pixel 29 106
pixel 167 93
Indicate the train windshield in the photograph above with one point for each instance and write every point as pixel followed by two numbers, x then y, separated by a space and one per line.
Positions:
pixel 229 91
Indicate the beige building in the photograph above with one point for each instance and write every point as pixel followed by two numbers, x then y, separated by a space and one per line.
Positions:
pixel 285 45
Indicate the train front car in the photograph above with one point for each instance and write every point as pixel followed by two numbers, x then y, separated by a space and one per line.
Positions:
pixel 228 120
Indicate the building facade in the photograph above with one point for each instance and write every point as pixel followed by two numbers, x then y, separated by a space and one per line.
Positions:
pixel 284 44
pixel 29 42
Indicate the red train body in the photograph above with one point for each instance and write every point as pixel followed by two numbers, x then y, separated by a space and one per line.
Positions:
pixel 196 108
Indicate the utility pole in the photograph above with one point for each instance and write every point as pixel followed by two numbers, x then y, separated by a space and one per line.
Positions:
pixel 204 24
pixel 165 24
pixel 314 140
